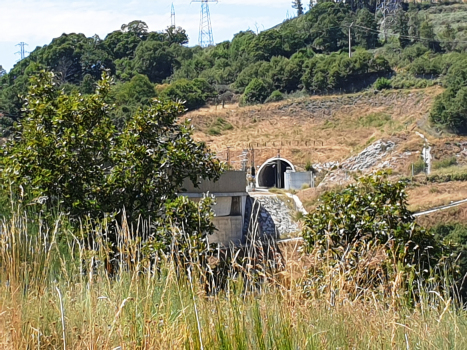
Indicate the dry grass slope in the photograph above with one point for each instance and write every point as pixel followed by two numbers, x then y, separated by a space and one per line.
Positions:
pixel 320 128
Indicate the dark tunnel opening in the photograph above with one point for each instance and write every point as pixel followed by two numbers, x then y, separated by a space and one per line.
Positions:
pixel 272 174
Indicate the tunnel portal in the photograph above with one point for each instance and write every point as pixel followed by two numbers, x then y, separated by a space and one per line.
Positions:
pixel 271 173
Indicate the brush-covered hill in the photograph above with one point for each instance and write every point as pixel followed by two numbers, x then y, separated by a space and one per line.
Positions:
pixel 306 55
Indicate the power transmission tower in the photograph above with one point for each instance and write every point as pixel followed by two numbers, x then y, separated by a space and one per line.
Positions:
pixel 172 16
pixel 21 51
pixel 205 29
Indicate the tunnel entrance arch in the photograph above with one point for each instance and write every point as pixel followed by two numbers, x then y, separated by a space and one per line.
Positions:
pixel 272 173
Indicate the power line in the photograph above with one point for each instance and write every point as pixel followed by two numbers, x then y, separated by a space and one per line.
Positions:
pixel 412 37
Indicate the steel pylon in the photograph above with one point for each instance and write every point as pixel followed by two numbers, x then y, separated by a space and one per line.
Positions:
pixel 205 37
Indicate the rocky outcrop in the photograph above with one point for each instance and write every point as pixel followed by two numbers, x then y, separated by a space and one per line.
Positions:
pixel 270 216
pixel 374 156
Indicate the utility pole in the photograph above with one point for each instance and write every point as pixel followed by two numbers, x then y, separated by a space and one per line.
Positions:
pixel 172 16
pixel 205 29
pixel 350 41
pixel 21 51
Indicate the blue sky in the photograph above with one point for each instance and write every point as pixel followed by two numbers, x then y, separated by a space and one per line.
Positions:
pixel 37 22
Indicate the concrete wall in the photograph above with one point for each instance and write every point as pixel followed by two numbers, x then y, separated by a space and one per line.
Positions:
pixel 229 230
pixel 295 180
pixel 230 193
pixel 229 182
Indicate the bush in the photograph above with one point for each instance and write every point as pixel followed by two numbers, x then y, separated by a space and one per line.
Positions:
pixel 382 83
pixel 444 163
pixel 275 96
pixel 218 126
pixel 257 91
pixel 369 217
pixel 418 167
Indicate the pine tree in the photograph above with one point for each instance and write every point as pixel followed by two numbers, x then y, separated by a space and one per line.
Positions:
pixel 297 4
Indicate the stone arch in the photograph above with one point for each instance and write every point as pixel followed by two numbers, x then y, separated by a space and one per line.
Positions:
pixel 271 172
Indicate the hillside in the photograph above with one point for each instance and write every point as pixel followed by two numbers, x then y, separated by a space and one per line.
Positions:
pixel 320 129
pixel 307 55
pixel 330 133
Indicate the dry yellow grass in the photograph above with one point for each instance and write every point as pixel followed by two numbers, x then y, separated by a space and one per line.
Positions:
pixel 448 216
pixel 432 195
pixel 317 129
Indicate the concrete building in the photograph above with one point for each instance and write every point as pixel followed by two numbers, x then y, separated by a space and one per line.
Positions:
pixel 231 196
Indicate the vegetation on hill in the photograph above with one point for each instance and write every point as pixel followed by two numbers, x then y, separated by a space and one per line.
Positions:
pixel 307 53
pixel 66 155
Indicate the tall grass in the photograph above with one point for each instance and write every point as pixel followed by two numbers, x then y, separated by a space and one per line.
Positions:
pixel 56 292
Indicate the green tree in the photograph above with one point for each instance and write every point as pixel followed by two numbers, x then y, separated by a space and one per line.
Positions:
pixel 297 4
pixel 67 154
pixel 401 26
pixel 193 93
pixel 176 35
pixel 139 28
pixel 371 213
pixel 450 108
pixel 2 71
pixel 428 34
pixel 364 37
pixel 448 37
pixel 257 91
pixel 155 60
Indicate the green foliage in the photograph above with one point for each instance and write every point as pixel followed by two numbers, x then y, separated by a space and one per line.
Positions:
pixel 257 91
pixel 67 154
pixel 456 236
pixel 155 60
pixel 297 4
pixel 418 167
pixel 364 37
pixel 382 83
pixel 444 163
pixel 218 126
pixel 193 93
pixel 450 108
pixel 275 96
pixel 401 27
pixel 372 212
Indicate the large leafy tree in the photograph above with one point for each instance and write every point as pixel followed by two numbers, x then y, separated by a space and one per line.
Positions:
pixel 155 60
pixel 450 108
pixel 366 38
pixel 67 154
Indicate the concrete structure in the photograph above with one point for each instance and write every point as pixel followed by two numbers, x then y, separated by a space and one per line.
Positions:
pixel 272 173
pixel 230 193
pixel 296 180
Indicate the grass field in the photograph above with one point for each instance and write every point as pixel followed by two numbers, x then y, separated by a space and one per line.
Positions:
pixel 55 293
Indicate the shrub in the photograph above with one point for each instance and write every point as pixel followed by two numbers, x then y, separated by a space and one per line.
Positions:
pixel 275 96
pixel 418 167
pixel 257 91
pixel 444 163
pixel 371 217
pixel 218 126
pixel 382 83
